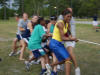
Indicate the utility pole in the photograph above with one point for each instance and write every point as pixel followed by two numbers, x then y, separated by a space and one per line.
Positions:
pixel 5 15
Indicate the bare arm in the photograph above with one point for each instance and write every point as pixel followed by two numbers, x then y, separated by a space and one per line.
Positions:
pixel 30 26
pixel 48 28
pixel 21 29
pixel 63 37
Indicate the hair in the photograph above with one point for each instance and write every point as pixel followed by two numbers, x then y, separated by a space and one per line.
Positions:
pixel 40 19
pixel 65 12
pixel 47 21
pixel 35 15
pixel 16 15
pixel 53 18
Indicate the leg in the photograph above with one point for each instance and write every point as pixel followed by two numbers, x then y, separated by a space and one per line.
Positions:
pixel 67 67
pixel 14 46
pixel 22 49
pixel 70 50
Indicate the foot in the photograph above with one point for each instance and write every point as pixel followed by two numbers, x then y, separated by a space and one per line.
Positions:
pixel 18 52
pixel 53 73
pixel 22 59
pixel 12 54
pixel 0 59
pixel 77 71
pixel 48 67
pixel 43 71
pixel 27 65
pixel 34 62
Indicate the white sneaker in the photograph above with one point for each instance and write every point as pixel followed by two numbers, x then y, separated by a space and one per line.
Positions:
pixel 77 71
pixel 18 52
pixel 27 65
pixel 12 54
pixel 48 67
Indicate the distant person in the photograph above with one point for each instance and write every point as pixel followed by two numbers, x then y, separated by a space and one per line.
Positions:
pixel 17 39
pixel 95 22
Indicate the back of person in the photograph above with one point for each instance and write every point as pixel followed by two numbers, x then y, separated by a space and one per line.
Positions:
pixel 36 37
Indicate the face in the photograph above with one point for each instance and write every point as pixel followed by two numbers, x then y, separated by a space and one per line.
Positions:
pixel 43 22
pixel 53 22
pixel 17 19
pixel 25 16
pixel 34 19
pixel 68 17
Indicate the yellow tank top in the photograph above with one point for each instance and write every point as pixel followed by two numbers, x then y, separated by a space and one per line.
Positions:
pixel 56 33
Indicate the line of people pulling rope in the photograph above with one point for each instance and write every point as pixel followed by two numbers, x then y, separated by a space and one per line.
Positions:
pixel 50 42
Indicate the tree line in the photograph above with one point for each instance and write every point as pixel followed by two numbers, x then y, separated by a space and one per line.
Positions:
pixel 81 8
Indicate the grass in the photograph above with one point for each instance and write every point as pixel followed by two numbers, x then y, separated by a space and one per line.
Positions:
pixel 88 55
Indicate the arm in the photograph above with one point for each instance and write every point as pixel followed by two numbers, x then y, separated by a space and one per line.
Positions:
pixel 30 26
pixel 48 28
pixel 63 37
pixel 20 26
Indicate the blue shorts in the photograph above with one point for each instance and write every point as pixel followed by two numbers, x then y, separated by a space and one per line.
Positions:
pixel 19 37
pixel 38 53
pixel 59 50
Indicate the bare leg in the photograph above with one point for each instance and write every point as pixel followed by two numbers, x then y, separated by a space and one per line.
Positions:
pixel 70 50
pixel 14 46
pixel 67 67
pixel 22 49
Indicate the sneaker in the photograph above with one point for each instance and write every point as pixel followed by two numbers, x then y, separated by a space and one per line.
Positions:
pixel 77 71
pixel 18 52
pixel 48 67
pixel 53 73
pixel 34 62
pixel 27 65
pixel 43 71
pixel 0 59
pixel 12 54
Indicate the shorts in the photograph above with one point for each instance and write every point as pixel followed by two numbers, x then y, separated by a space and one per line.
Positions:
pixel 95 23
pixel 59 50
pixel 26 40
pixel 19 37
pixel 67 44
pixel 38 53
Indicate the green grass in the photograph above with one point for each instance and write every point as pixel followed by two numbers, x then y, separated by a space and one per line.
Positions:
pixel 88 55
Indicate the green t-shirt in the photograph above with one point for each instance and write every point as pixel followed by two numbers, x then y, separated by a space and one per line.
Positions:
pixel 36 38
pixel 51 28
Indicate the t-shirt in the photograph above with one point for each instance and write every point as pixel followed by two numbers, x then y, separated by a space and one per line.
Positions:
pixel 51 28
pixel 22 24
pixel 36 38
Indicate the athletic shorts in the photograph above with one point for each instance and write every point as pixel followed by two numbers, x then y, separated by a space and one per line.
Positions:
pixel 26 39
pixel 59 50
pixel 19 37
pixel 70 43
pixel 38 53
pixel 95 23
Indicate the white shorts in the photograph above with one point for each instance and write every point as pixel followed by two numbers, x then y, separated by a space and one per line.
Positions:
pixel 72 44
pixel 95 23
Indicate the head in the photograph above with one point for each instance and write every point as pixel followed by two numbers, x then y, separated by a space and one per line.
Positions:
pixel 46 23
pixel 35 18
pixel 53 19
pixel 41 21
pixel 25 16
pixel 17 17
pixel 70 9
pixel 67 15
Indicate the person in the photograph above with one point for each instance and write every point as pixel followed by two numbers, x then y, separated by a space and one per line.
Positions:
pixel 17 39
pixel 22 26
pixel 37 36
pixel 56 44
pixel 95 22
pixel 71 44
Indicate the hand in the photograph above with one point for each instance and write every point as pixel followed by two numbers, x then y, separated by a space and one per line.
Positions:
pixel 73 39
